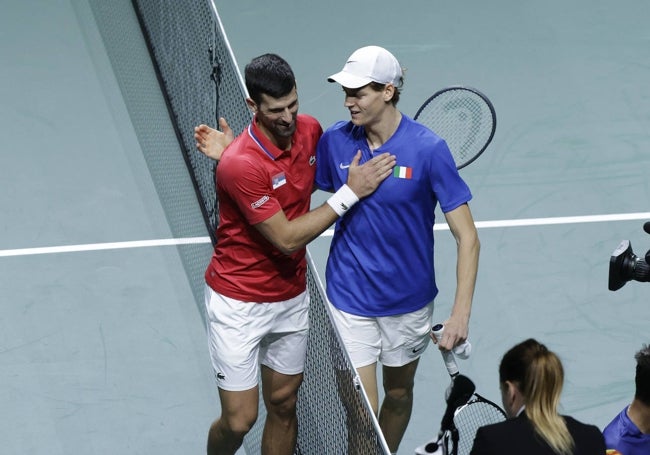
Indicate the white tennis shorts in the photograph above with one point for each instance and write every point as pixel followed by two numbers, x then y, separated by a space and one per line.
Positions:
pixel 243 335
pixel 392 340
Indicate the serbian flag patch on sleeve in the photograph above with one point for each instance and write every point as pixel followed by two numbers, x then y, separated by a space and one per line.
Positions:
pixel 402 172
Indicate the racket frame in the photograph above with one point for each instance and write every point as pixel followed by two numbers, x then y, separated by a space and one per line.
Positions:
pixel 480 95
pixel 474 400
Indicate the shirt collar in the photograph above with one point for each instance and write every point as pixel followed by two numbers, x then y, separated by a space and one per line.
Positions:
pixel 263 143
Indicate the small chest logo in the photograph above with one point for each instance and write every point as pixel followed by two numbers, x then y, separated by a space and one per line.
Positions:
pixel 278 180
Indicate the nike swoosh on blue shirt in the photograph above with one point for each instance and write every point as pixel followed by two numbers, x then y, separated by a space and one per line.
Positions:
pixel 344 166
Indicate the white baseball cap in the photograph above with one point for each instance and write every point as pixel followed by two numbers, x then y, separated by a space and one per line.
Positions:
pixel 369 64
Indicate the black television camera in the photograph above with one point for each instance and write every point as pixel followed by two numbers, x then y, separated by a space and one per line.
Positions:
pixel 624 265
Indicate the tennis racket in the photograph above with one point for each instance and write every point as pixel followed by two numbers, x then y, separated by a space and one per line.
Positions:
pixel 466 410
pixel 478 412
pixel 464 117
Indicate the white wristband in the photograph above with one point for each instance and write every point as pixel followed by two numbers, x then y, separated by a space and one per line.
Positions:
pixel 342 200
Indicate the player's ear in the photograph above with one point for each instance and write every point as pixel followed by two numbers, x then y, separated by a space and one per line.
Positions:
pixel 510 397
pixel 389 91
pixel 252 105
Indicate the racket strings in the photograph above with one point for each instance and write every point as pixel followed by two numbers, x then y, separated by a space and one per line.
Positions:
pixel 469 418
pixel 463 119
pixel 462 122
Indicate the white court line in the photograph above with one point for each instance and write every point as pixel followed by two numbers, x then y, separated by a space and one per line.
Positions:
pixel 104 246
pixel 541 221
pixel 328 233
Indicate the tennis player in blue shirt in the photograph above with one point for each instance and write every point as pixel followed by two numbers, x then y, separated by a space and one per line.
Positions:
pixel 380 271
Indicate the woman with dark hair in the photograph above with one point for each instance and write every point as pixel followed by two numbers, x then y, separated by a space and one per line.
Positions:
pixel 531 379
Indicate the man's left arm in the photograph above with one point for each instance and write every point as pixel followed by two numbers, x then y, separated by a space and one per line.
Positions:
pixel 461 224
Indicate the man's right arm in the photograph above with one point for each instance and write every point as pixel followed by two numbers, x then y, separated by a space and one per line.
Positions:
pixel 290 235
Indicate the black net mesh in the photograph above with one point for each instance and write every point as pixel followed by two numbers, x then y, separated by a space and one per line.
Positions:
pixel 200 79
pixel 332 411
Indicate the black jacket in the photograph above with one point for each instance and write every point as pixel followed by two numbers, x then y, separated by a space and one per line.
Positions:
pixel 517 437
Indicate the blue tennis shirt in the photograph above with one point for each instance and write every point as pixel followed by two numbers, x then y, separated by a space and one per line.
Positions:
pixel 622 435
pixel 381 255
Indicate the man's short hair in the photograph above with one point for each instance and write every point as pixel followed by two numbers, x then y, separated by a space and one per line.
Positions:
pixel 642 377
pixel 268 74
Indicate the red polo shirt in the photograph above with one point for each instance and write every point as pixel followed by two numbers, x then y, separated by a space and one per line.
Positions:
pixel 255 180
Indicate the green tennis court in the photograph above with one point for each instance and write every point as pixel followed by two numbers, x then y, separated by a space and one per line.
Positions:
pixel 103 245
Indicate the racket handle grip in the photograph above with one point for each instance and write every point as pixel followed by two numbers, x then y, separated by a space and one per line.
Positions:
pixel 447 356
pixel 463 350
pixel 450 363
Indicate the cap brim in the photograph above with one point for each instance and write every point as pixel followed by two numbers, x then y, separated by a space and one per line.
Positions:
pixel 349 80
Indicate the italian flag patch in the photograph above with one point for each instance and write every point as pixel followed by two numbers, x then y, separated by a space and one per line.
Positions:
pixel 402 172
